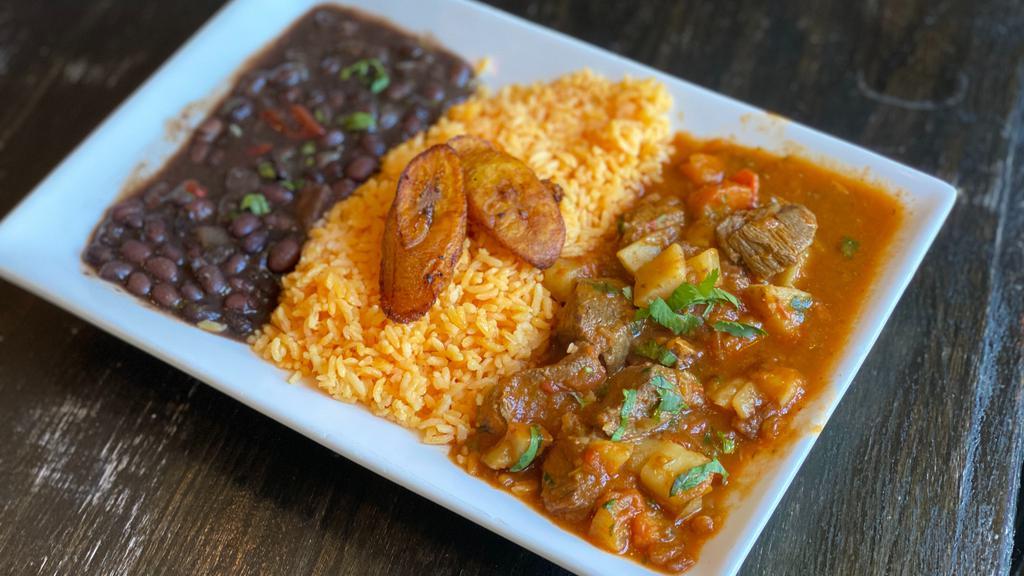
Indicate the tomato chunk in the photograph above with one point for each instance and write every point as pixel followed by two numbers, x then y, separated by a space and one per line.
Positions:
pixel 737 193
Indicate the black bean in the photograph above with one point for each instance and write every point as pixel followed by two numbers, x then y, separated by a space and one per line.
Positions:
pixel 312 203
pixel 337 99
pixel 373 144
pixel 284 255
pixel 239 108
pixel 113 234
pixel 198 152
pixel 330 65
pixel 433 92
pixel 126 209
pixel 289 74
pixel 163 269
pixel 235 264
pixel 237 302
pixel 279 221
pixel 173 252
pixel 139 284
pixel 240 325
pixel 166 296
pixel 197 312
pixel 192 292
pixel 135 252
pixel 332 138
pixel 255 242
pixel 211 279
pixel 276 194
pixel 154 196
pixel 411 124
pixel 241 180
pixel 200 209
pixel 400 90
pixel 115 270
pixel 210 236
pixel 460 74
pixel 210 129
pixel 245 224
pixel 333 171
pixel 326 157
pixel 344 188
pixel 97 254
pixel 216 157
pixel 156 231
pixel 134 221
pixel 241 284
pixel 361 168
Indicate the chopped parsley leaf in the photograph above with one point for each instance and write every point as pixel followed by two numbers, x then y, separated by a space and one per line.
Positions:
pixel 627 291
pixel 358 121
pixel 531 451
pixel 696 476
pixel 728 444
pixel 739 329
pixel 650 349
pixel 671 400
pixel 371 71
pixel 663 314
pixel 848 246
pixel 255 203
pixel 308 148
pixel 687 295
pixel 610 505
pixel 624 412
pixel 266 170
pixel 606 287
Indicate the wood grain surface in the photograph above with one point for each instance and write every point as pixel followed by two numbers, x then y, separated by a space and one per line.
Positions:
pixel 113 463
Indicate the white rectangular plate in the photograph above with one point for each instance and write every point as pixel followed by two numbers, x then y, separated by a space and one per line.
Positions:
pixel 201 71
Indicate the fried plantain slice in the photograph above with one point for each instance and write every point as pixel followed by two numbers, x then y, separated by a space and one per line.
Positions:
pixel 423 234
pixel 506 198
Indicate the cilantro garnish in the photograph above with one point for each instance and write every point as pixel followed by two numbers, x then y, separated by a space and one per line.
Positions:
pixel 696 476
pixel 531 451
pixel 687 295
pixel 671 401
pixel 728 444
pixel 358 121
pixel 624 412
pixel 662 313
pixel 610 505
pixel 652 350
pixel 848 246
pixel 371 71
pixel 255 203
pixel 738 329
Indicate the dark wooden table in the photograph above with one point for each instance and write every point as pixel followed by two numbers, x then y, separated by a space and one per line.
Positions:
pixel 112 462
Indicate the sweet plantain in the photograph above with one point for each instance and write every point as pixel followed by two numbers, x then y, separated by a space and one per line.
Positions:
pixel 423 234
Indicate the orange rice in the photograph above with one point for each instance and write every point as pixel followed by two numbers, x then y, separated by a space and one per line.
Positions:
pixel 600 140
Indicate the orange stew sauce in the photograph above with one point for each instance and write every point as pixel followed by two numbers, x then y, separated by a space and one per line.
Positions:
pixel 856 225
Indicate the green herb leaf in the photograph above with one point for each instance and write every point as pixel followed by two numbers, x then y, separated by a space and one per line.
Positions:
pixel 548 480
pixel 358 121
pixel 663 314
pixel 624 412
pixel 610 505
pixel 696 476
pixel 288 185
pixel 371 71
pixel 255 203
pixel 800 303
pixel 848 246
pixel 654 351
pixel 687 295
pixel 531 451
pixel 308 148
pixel 320 116
pixel 579 397
pixel 671 400
pixel 728 444
pixel 235 130
pixel 266 170
pixel 627 291
pixel 739 329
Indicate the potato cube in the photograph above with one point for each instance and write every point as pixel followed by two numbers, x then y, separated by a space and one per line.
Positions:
pixel 612 455
pixel 560 279
pixel 659 277
pixel 667 462
pixel 701 265
pixel 720 393
pixel 780 384
pixel 782 308
pixel 746 401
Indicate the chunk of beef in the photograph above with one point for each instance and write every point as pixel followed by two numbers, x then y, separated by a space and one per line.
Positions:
pixel 571 483
pixel 646 388
pixel 652 214
pixel 598 313
pixel 540 395
pixel 767 239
